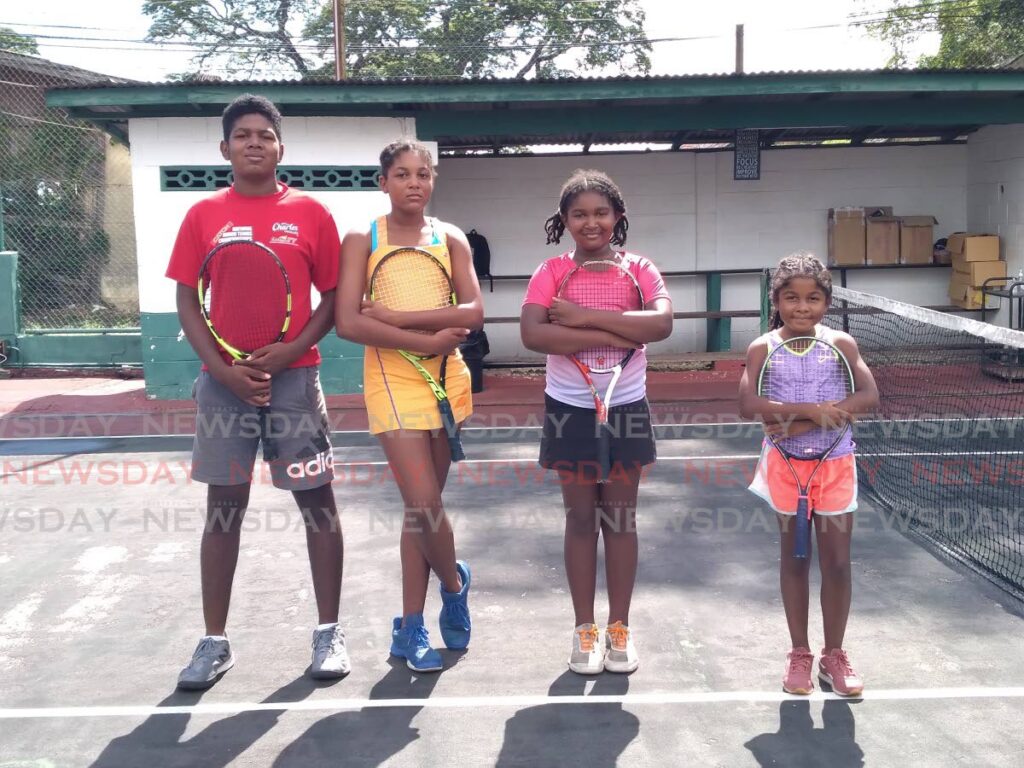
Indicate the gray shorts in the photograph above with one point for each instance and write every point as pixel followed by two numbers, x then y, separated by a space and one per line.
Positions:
pixel 228 432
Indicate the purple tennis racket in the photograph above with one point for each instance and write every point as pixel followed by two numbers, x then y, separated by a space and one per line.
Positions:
pixel 806 370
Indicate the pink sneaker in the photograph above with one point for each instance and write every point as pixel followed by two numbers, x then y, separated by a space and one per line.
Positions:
pixel 834 668
pixel 799 662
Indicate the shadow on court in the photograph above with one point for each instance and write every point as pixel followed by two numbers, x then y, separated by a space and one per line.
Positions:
pixel 594 735
pixel 798 743
pixel 159 739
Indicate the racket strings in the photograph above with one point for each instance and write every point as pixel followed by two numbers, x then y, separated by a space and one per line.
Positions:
pixel 246 296
pixel 409 281
pixel 806 371
pixel 606 286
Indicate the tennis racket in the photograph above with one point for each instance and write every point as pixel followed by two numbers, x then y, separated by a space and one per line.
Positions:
pixel 806 370
pixel 246 299
pixel 413 280
pixel 606 285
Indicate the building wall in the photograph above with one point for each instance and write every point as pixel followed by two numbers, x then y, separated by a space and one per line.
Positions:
pixel 995 192
pixel 170 365
pixel 119 224
pixel 687 213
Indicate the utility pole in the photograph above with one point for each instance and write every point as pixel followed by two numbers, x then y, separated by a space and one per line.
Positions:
pixel 339 39
pixel 739 49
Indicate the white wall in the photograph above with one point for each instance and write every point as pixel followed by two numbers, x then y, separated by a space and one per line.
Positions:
pixel 686 212
pixel 184 141
pixel 995 192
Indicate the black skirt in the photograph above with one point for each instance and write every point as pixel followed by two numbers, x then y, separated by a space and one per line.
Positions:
pixel 569 438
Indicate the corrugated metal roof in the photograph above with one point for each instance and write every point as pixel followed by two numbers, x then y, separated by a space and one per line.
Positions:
pixel 361 82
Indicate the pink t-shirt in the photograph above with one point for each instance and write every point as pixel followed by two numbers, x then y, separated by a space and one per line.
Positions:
pixel 564 382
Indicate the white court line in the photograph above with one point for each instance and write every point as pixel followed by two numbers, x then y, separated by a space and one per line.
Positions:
pixel 516 702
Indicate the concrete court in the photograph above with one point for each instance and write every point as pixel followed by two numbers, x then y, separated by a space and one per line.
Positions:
pixel 99 608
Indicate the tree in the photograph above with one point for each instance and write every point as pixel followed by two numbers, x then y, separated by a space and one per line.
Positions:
pixel 409 38
pixel 973 33
pixel 16 42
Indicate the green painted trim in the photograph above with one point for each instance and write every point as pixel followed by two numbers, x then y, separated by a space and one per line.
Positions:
pixel 170 365
pixel 766 300
pixel 101 350
pixel 10 317
pixel 719 329
pixel 335 178
pixel 207 99
pixel 540 123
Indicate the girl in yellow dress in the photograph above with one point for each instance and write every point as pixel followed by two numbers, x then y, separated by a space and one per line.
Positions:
pixel 402 410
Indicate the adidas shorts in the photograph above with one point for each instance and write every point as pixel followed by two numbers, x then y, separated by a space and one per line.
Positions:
pixel 298 451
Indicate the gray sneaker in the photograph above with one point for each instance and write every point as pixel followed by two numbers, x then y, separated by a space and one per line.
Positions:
pixel 211 659
pixel 330 657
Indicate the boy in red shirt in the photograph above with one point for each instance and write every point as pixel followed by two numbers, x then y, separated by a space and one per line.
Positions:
pixel 282 377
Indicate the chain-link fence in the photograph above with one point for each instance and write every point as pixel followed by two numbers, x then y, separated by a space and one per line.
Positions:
pixel 65 187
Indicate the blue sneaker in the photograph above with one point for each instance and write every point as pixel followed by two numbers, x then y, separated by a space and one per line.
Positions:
pixel 412 643
pixel 454 618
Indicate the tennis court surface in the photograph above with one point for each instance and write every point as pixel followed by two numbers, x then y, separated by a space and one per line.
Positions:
pixel 100 603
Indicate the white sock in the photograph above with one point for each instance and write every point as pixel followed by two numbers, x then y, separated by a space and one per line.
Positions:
pixel 215 637
pixel 322 627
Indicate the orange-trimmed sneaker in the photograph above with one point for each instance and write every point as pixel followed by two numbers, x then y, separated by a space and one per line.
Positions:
pixel 799 662
pixel 587 654
pixel 835 669
pixel 619 652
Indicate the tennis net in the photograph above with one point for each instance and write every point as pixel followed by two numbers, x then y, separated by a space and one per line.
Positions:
pixel 944 458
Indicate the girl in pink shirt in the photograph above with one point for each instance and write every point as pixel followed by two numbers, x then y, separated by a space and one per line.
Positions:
pixel 592 210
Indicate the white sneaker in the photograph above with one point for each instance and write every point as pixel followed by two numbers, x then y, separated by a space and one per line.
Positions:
pixel 620 653
pixel 211 659
pixel 330 657
pixel 587 654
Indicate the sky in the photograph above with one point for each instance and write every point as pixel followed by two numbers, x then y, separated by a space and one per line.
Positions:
pixel 779 35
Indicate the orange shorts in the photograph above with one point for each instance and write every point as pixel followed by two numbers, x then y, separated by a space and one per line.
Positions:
pixel 833 490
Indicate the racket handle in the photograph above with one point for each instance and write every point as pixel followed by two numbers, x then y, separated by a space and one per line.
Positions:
pixel 802 539
pixel 448 422
pixel 604 451
pixel 268 446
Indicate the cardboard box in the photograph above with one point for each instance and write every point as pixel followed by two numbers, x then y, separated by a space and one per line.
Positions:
pixel 955 243
pixel 962 293
pixel 916 243
pixel 846 236
pixel 977 272
pixel 974 247
pixel 883 238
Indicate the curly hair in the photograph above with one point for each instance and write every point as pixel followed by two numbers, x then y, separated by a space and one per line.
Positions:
pixel 249 104
pixel 588 181
pixel 800 264
pixel 390 153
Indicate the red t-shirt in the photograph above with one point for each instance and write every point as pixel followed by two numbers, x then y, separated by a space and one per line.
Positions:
pixel 299 229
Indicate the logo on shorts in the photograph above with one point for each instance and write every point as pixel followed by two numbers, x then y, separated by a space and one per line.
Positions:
pixel 312 467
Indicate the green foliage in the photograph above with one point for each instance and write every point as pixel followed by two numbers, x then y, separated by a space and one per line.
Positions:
pixel 974 33
pixel 16 42
pixel 410 38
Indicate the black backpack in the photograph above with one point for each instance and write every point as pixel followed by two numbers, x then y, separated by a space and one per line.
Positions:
pixel 481 253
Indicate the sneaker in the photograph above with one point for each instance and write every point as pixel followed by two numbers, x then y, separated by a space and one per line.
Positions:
pixel 835 669
pixel 454 618
pixel 211 659
pixel 799 662
pixel 330 657
pixel 587 655
pixel 412 643
pixel 619 652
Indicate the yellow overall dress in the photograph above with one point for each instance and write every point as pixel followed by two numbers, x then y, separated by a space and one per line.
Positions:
pixel 397 397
